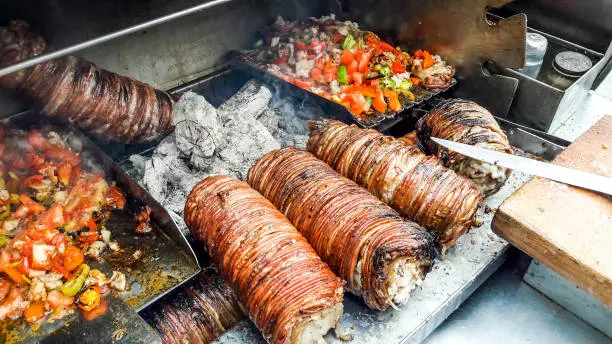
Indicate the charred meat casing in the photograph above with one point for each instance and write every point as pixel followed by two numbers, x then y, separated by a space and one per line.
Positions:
pixel 381 256
pixel 291 295
pixel 71 89
pixel 414 184
pixel 466 122
pixel 198 312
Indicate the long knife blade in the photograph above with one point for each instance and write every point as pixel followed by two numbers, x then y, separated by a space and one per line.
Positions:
pixel 554 172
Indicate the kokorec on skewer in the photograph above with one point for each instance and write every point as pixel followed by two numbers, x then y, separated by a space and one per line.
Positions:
pixel 291 295
pixel 198 312
pixel 380 256
pixel 466 122
pixel 71 89
pixel 414 184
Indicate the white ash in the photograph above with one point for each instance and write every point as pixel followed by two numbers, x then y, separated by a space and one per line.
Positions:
pixel 250 101
pixel 228 140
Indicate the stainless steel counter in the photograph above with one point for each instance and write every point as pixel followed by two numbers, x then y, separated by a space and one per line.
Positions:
pixel 507 310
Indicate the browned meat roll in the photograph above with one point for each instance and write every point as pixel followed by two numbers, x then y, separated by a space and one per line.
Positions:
pixel 198 312
pixel 365 242
pixel 466 122
pixel 291 295
pixel 414 184
pixel 71 89
pixel 409 139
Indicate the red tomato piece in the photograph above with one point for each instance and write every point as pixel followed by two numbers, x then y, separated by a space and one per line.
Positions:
pixel 352 67
pixel 379 103
pixel 357 78
pixel 347 57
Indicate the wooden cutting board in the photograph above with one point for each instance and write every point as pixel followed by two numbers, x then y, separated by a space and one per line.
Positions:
pixel 567 228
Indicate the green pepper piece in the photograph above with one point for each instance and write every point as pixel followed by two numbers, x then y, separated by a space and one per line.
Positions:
pixel 406 85
pixel 369 100
pixel 26 279
pixel 385 71
pixel 72 287
pixel 4 214
pixel 349 42
pixel 342 76
pixel 387 83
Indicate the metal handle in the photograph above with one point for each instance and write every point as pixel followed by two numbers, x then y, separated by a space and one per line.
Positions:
pixel 101 39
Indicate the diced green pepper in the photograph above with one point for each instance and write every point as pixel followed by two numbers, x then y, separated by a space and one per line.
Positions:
pixel 405 85
pixel 72 287
pixel 26 279
pixel 342 76
pixel 369 100
pixel 382 70
pixel 5 213
pixel 349 42
pixel 387 83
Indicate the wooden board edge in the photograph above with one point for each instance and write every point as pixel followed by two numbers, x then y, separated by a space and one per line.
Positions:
pixel 532 244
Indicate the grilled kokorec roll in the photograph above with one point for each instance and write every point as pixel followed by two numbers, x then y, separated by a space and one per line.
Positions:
pixel 414 184
pixel 466 122
pixel 409 139
pixel 71 89
pixel 291 295
pixel 365 242
pixel 197 313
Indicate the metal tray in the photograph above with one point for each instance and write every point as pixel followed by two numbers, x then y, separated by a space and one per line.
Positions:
pixel 244 61
pixel 167 260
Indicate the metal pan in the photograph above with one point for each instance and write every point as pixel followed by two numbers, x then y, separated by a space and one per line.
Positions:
pixel 244 60
pixel 166 259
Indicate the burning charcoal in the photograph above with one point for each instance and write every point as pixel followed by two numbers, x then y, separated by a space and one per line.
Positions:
pixel 137 166
pixel 270 118
pixel 249 141
pixel 167 147
pixel 175 201
pixel 191 138
pixel 195 108
pixel 154 178
pixel 199 162
pixel 218 166
pixel 250 101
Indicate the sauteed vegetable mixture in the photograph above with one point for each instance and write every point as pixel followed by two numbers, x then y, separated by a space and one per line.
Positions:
pixel 52 220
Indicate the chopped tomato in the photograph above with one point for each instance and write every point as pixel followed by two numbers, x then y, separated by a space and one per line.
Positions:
pixel 316 74
pixel 52 218
pixel 73 258
pixel 24 266
pixel 375 82
pixel 34 312
pixel 368 91
pixel 35 181
pixel 428 60
pixel 64 155
pixel 398 67
pixel 347 57
pixel 394 103
pixel 281 60
pixel 299 45
pixel 89 237
pixel 357 78
pixel 359 103
pixel 57 265
pixel 418 54
pixel 379 103
pixel 364 61
pixel 58 239
pixel 415 81
pixel 337 38
pixel 57 299
pixel 352 67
